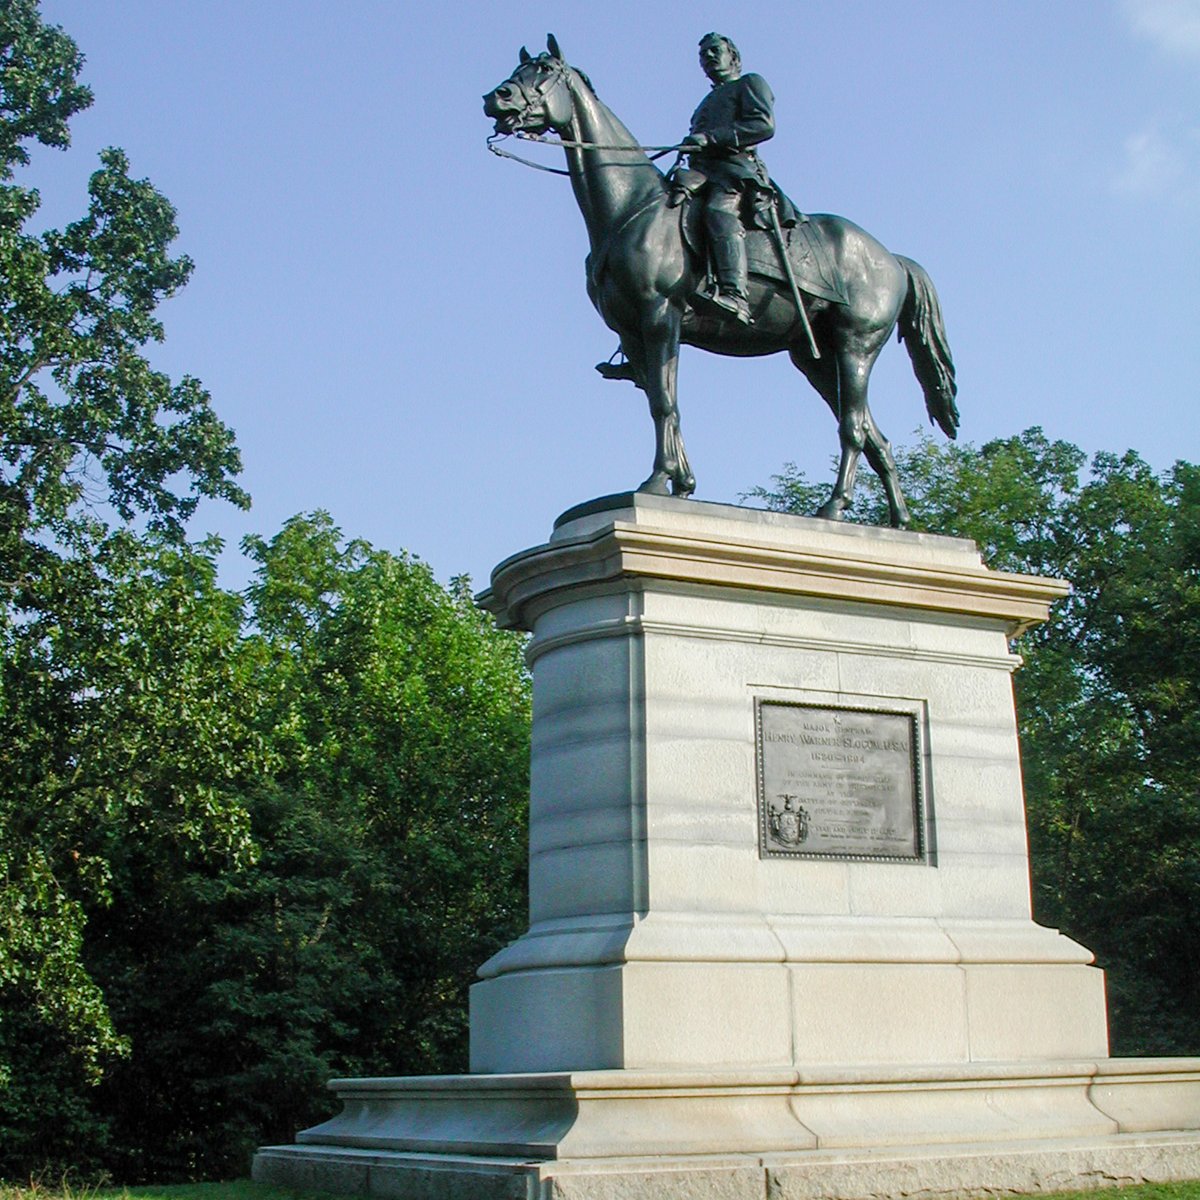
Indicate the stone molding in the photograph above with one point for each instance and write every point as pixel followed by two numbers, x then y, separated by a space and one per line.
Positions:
pixel 637 625
pixel 525 584
pixel 599 940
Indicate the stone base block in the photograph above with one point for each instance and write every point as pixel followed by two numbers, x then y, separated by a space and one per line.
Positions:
pixel 750 1015
pixel 983 1171
pixel 824 1132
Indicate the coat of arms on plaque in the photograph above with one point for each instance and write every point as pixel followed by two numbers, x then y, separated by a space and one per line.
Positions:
pixel 789 824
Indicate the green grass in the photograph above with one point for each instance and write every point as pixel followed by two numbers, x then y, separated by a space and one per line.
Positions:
pixel 1187 1190
pixel 237 1189
pixel 245 1189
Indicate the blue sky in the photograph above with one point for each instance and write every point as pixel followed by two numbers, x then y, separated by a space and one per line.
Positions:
pixel 394 321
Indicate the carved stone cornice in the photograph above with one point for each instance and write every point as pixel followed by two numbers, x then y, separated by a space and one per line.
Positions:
pixel 913 571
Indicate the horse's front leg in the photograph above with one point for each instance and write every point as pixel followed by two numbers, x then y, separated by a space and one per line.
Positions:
pixel 659 355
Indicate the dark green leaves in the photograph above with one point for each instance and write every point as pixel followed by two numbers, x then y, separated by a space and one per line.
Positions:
pixel 389 817
pixel 245 842
pixel 85 419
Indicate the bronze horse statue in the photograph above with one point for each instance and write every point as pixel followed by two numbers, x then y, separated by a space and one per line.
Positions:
pixel 642 276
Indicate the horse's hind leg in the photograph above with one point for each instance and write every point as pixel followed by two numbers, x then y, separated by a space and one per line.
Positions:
pixel 841 379
pixel 879 454
pixel 823 374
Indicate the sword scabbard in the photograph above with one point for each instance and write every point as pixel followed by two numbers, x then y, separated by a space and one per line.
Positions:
pixel 791 278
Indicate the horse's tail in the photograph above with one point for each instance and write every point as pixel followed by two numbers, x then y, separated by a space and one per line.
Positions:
pixel 921 329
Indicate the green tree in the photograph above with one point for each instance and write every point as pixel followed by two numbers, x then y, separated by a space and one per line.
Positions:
pixel 92 436
pixel 1108 699
pixel 246 842
pixel 412 713
pixel 127 738
pixel 86 422
pixel 391 823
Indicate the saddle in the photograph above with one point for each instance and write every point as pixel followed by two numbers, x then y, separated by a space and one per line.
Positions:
pixel 811 260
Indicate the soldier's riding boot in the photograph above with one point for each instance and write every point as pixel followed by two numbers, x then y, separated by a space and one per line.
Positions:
pixel 727 246
pixel 729 262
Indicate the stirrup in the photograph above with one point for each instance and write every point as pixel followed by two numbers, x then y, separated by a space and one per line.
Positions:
pixel 728 304
pixel 612 370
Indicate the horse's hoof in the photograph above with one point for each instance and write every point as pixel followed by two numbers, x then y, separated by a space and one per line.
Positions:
pixel 681 489
pixel 656 484
pixel 830 511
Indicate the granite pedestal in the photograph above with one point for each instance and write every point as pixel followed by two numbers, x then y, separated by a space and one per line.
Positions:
pixel 780 930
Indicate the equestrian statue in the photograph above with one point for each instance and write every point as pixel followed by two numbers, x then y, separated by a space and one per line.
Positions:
pixel 714 255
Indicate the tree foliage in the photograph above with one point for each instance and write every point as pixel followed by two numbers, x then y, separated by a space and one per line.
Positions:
pixel 125 744
pixel 86 422
pixel 1108 699
pixel 358 734
pixel 101 680
pixel 391 824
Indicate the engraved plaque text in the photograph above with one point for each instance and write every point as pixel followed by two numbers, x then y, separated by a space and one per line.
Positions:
pixel 838 782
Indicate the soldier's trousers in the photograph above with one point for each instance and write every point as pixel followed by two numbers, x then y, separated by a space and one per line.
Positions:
pixel 722 211
pixel 726 238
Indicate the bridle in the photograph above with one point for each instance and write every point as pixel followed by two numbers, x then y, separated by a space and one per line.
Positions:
pixel 557 72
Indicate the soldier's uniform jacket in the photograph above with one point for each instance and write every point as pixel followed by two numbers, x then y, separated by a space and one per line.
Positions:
pixel 737 115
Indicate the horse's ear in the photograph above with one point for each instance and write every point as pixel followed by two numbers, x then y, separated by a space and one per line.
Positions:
pixel 524 56
pixel 552 46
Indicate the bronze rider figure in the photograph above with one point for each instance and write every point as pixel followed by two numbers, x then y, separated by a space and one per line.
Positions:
pixel 735 117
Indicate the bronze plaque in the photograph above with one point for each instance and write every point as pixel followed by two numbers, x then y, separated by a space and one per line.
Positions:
pixel 838 782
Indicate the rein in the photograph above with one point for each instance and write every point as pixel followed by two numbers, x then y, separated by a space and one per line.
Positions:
pixel 654 152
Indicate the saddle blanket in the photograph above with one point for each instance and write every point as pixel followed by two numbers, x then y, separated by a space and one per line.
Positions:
pixel 811 261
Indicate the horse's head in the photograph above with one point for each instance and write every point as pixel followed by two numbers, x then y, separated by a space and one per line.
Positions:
pixel 535 97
